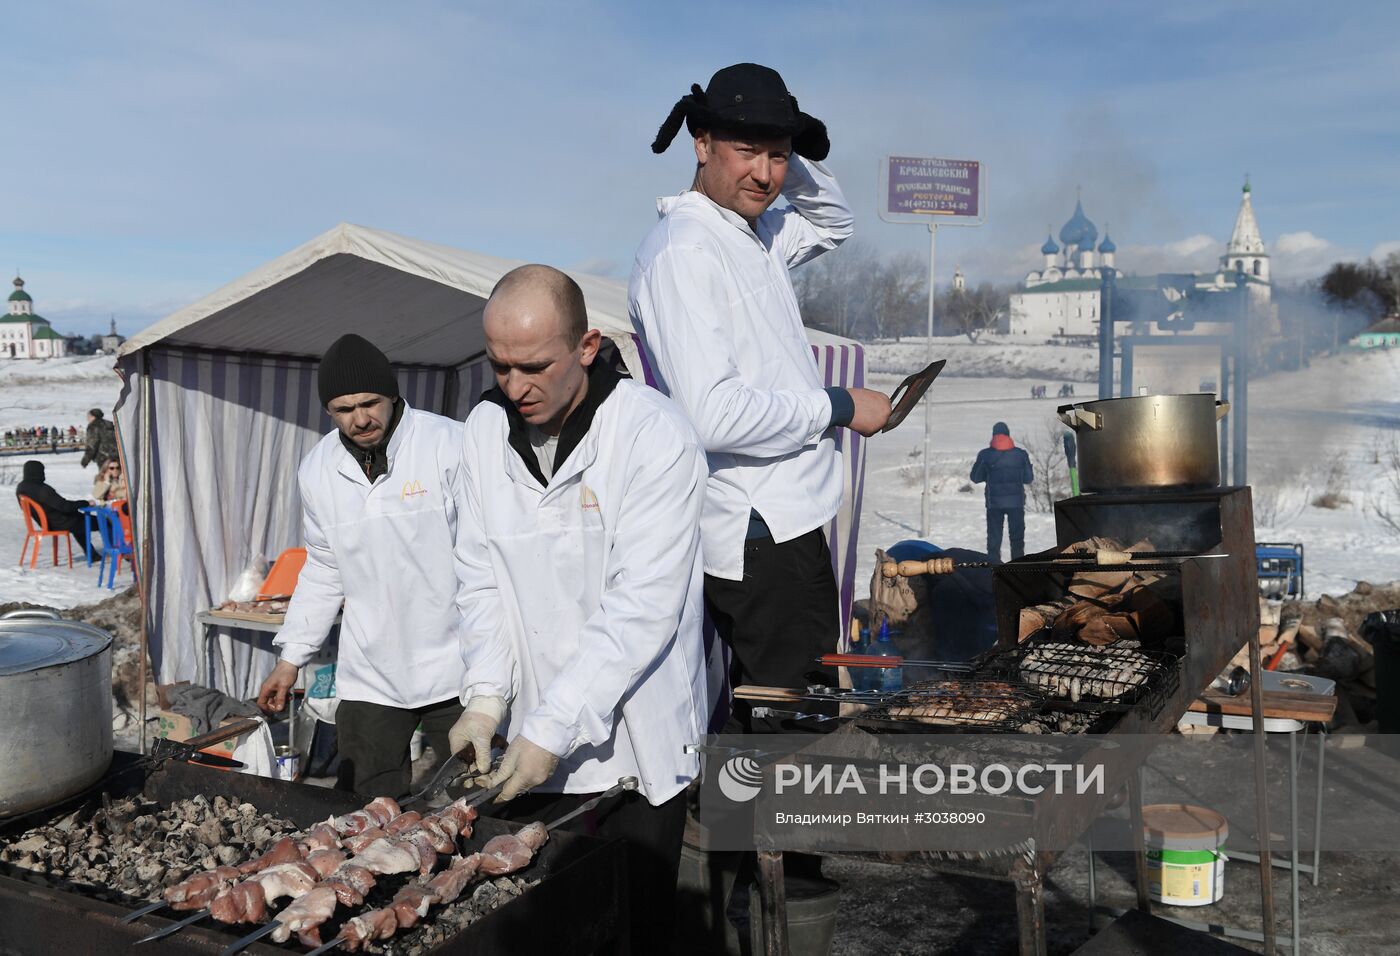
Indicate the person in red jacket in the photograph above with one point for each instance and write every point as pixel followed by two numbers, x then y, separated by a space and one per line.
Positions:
pixel 1006 470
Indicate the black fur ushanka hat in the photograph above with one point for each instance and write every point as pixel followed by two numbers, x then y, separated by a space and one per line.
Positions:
pixel 746 98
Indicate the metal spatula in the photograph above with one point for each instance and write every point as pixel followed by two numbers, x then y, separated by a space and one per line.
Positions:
pixel 907 394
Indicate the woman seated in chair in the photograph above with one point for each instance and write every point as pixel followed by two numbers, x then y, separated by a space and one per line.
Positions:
pixel 110 483
pixel 62 514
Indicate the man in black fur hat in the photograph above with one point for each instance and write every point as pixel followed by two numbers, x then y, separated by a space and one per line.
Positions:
pixel 711 297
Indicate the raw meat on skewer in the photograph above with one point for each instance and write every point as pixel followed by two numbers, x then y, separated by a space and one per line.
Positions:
pixel 240 903
pixel 510 852
pixel 322 836
pixel 411 904
pixel 307 912
pixel 358 842
pixel 284 850
pixel 373 925
pixel 198 890
pixel 325 862
pixel 388 855
pixel 286 879
pixel 403 822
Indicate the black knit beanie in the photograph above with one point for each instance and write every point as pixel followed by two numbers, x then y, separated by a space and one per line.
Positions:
pixel 1000 429
pixel 353 365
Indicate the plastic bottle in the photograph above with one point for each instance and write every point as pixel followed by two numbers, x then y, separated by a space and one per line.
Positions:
pixel 864 678
pixel 890 678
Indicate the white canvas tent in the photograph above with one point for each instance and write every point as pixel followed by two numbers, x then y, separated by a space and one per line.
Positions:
pixel 219 407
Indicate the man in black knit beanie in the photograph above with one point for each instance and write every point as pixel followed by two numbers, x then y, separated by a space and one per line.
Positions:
pixel 380 500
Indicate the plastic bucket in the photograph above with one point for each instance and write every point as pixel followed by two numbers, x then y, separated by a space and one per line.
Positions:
pixel 1185 864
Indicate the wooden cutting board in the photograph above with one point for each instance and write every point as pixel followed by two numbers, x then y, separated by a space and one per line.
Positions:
pixel 1280 704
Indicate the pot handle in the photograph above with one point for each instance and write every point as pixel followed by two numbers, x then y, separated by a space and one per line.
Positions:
pixel 1221 410
pixel 43 613
pixel 1076 416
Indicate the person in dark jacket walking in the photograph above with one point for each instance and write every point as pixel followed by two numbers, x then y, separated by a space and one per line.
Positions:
pixel 1006 470
pixel 62 514
pixel 101 444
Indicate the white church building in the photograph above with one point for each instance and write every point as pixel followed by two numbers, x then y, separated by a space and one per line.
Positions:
pixel 1060 300
pixel 25 335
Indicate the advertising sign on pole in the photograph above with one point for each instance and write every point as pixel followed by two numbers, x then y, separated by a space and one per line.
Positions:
pixel 920 189
pixel 933 192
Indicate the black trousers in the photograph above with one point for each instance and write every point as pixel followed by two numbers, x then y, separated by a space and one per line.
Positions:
pixel 1015 519
pixel 653 837
pixel 373 741
pixel 776 622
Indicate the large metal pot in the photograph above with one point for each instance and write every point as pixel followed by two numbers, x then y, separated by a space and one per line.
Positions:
pixel 1147 443
pixel 55 708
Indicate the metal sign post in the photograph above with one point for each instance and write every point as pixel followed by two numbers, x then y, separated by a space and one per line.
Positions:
pixel 934 192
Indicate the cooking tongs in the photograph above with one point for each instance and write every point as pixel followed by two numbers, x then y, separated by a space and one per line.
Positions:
pixel 189 750
pixel 908 392
pixel 453 768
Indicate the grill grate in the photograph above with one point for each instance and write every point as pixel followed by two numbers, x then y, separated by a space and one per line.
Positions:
pixel 958 704
pixel 1071 675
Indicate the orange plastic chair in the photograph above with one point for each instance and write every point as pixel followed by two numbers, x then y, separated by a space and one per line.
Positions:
pixel 34 515
pixel 123 509
pixel 281 580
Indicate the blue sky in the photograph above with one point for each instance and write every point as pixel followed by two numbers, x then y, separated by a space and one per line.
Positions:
pixel 158 150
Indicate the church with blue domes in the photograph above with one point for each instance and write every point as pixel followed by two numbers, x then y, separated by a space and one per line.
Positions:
pixel 1060 300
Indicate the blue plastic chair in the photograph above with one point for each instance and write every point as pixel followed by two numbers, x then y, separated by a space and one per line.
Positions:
pixel 114 547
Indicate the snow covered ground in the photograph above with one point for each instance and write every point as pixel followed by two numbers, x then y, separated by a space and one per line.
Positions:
pixel 55 392
pixel 1323 430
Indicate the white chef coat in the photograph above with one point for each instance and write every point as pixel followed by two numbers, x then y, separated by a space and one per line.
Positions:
pixel 714 305
pixel 583 600
pixel 385 549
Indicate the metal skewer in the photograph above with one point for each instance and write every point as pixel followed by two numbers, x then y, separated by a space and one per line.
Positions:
pixel 137 914
pixel 252 937
pixel 327 947
pixel 624 783
pixel 173 927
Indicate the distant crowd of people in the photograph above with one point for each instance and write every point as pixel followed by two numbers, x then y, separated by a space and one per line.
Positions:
pixel 98 441
pixel 1041 391
pixel 41 436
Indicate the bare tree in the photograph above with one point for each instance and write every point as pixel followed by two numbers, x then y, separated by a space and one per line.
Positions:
pixel 899 299
pixel 1046 449
pixel 974 312
pixel 1385 505
pixel 835 291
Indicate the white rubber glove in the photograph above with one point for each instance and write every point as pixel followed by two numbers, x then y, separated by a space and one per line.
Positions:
pixel 525 766
pixel 475 728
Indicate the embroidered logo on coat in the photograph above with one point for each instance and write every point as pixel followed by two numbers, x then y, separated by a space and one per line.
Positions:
pixel 411 489
pixel 587 499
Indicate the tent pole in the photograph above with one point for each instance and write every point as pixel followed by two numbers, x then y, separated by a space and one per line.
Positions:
pixel 143 569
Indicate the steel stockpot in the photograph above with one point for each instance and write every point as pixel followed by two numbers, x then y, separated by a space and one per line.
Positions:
pixel 1147 442
pixel 55 708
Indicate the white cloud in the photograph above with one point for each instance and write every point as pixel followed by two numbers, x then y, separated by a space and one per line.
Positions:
pixel 1197 253
pixel 1384 249
pixel 1191 245
pixel 1300 244
pixel 1304 255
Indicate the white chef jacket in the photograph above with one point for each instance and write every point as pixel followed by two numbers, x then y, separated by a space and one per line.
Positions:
pixel 714 305
pixel 385 549
pixel 583 599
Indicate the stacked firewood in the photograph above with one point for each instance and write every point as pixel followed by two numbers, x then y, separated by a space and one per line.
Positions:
pixel 1102 607
pixel 1329 649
